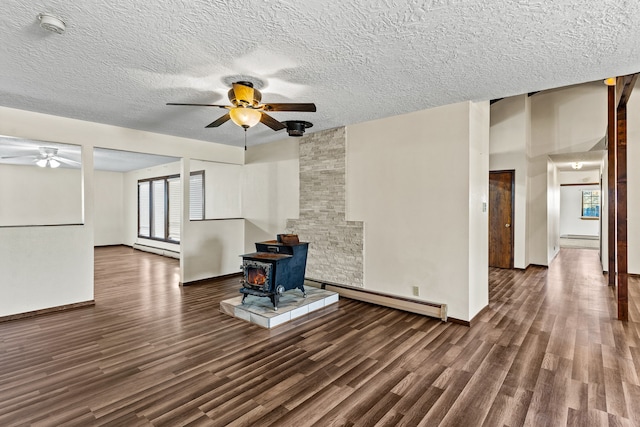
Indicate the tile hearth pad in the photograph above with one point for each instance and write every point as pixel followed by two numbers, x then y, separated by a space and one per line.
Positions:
pixel 259 310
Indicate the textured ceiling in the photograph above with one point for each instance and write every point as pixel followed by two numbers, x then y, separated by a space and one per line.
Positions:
pixel 120 61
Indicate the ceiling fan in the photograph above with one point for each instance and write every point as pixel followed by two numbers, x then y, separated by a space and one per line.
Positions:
pixel 246 110
pixel 47 157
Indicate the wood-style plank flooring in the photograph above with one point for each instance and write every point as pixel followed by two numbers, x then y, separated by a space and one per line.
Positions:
pixel 547 352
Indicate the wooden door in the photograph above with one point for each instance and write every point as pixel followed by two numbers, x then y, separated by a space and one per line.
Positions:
pixel 501 195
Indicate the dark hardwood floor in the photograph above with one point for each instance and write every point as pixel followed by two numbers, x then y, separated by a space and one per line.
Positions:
pixel 547 352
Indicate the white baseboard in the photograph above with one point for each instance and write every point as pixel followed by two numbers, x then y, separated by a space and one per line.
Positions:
pixel 158 251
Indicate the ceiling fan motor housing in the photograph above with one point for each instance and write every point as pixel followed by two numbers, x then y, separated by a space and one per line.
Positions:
pixel 254 101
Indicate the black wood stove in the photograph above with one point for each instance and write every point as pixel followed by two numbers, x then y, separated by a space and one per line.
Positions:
pixel 276 266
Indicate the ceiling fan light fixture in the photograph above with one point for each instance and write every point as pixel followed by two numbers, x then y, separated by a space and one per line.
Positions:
pixel 42 163
pixel 53 163
pixel 245 117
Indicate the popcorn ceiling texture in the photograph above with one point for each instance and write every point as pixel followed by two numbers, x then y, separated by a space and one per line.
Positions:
pixel 335 245
pixel 120 61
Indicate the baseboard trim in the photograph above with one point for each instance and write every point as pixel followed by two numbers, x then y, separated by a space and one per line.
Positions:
pixel 471 322
pixel 528 266
pixel 49 310
pixel 425 308
pixel 537 266
pixel 459 321
pixel 210 279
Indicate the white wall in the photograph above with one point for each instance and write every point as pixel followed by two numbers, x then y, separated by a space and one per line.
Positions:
pixel 408 179
pixel 209 248
pixel 223 188
pixel 30 253
pixel 510 134
pixel 52 265
pixel 553 212
pixel 271 190
pixel 109 208
pixel 537 211
pixel 579 177
pixel 571 221
pixel 30 195
pixel 568 120
pixel 479 124
pixel 633 180
pixel 44 267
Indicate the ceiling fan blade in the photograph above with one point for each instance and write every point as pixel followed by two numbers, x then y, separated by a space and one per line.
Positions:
pixel 199 105
pixel 243 94
pixel 271 122
pixel 66 161
pixel 13 157
pixel 218 122
pixel 307 107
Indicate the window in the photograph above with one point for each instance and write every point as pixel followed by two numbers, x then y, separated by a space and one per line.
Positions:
pixel 175 208
pixel 160 205
pixel 590 204
pixel 196 196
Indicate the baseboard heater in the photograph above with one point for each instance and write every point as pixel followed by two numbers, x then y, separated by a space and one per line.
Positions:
pixel 579 237
pixel 424 308
pixel 158 251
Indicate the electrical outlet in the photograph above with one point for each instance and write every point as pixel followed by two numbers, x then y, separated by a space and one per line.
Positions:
pixel 416 291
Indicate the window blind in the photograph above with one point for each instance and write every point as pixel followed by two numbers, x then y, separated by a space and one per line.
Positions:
pixel 158 216
pixel 196 196
pixel 175 208
pixel 144 226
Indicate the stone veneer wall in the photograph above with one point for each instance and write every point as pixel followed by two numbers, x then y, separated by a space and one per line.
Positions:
pixel 336 246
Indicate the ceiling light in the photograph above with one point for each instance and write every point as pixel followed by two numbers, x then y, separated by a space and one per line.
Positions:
pixel 611 81
pixel 296 127
pixel 52 23
pixel 576 165
pixel 48 162
pixel 245 117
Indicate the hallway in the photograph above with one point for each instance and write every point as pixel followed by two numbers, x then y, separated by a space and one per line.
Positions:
pixel 589 363
pixel 547 351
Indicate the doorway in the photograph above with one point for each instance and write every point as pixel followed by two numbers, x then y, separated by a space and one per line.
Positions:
pixel 501 202
pixel 580 212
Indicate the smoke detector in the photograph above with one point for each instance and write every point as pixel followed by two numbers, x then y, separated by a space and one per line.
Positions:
pixel 52 23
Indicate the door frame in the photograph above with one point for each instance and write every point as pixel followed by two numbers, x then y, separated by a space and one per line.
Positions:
pixel 512 172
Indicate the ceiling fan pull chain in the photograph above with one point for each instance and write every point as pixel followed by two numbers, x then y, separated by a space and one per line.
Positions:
pixel 245 139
